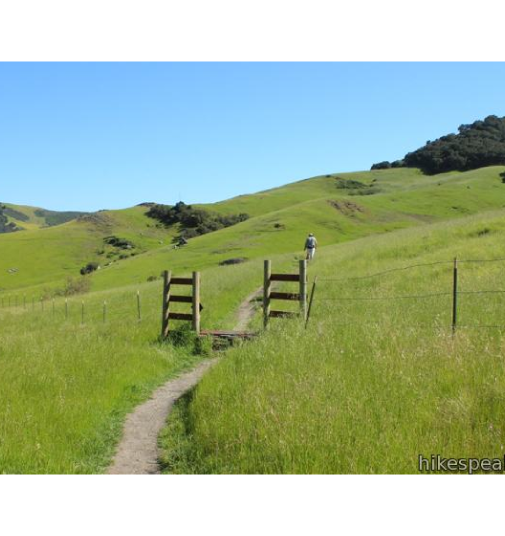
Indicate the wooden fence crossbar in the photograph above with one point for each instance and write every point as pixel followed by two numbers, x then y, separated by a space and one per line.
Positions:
pixel 168 298
pixel 268 295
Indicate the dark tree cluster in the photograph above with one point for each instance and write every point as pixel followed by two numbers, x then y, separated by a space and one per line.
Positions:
pixel 389 165
pixel 477 145
pixel 193 221
pixel 5 226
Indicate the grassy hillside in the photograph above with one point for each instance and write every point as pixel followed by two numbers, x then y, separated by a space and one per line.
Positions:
pixel 47 256
pixel 67 385
pixel 26 217
pixel 285 216
pixel 372 383
pixel 292 401
pixel 330 206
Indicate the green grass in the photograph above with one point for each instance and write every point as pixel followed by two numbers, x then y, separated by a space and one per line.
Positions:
pixel 45 257
pixel 407 199
pixel 67 386
pixel 365 388
pixel 280 220
pixel 370 385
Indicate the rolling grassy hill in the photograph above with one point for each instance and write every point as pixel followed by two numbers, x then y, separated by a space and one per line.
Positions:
pixel 373 383
pixel 329 206
pixel 26 217
pixel 42 257
pixel 282 218
pixel 357 392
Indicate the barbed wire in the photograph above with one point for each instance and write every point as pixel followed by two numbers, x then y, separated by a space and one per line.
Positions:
pixel 377 298
pixel 377 274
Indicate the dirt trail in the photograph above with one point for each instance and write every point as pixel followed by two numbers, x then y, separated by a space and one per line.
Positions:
pixel 137 453
pixel 246 310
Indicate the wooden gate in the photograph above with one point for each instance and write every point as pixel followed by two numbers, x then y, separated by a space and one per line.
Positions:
pixel 169 298
pixel 300 296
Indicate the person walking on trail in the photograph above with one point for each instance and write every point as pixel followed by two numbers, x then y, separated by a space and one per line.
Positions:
pixel 311 247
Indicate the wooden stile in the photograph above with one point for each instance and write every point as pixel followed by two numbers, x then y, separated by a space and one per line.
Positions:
pixel 286 277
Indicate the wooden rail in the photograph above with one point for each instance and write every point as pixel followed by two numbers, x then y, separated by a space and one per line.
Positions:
pixel 168 298
pixel 268 295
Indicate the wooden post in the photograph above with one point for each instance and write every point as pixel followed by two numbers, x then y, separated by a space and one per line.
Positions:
pixel 267 290
pixel 196 302
pixel 167 278
pixel 303 289
pixel 312 294
pixel 455 297
pixel 139 314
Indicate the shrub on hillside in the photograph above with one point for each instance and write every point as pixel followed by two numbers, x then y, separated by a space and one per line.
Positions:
pixel 120 243
pixel 193 222
pixel 90 268
pixel 71 288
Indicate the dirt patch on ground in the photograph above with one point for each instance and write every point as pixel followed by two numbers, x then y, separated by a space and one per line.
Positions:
pixel 347 208
pixel 101 221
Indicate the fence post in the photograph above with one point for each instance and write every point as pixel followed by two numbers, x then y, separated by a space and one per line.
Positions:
pixel 139 313
pixel 167 278
pixel 455 297
pixel 196 302
pixel 303 289
pixel 312 294
pixel 267 290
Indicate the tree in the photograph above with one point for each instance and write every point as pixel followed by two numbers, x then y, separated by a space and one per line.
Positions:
pixel 476 145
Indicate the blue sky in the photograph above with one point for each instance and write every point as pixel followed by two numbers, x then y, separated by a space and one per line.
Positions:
pixel 87 136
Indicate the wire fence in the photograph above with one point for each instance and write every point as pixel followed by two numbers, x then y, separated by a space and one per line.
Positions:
pixel 132 306
pixel 454 292
pixel 139 307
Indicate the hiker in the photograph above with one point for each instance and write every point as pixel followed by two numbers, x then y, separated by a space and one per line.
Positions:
pixel 310 247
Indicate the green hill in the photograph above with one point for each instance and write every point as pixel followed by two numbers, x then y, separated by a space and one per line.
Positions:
pixel 338 208
pixel 47 256
pixel 377 379
pixel 282 218
pixel 367 388
pixel 25 217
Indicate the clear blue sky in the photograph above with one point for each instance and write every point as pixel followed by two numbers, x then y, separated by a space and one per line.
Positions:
pixel 90 136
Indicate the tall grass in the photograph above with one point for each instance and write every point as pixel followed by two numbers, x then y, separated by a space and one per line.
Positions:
pixel 67 385
pixel 371 385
